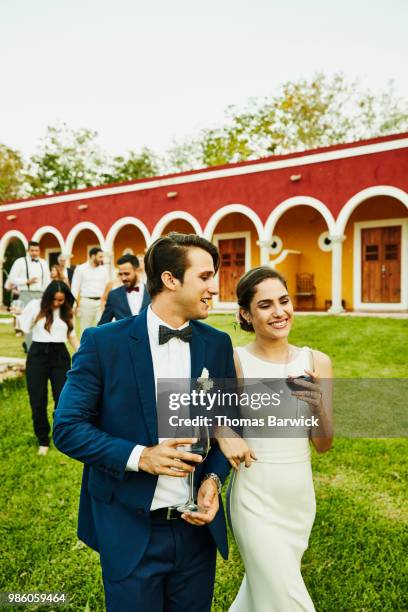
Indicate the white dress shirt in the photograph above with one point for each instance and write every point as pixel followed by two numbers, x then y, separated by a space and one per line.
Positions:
pixel 170 360
pixel 36 269
pixel 89 281
pixel 58 330
pixel 135 299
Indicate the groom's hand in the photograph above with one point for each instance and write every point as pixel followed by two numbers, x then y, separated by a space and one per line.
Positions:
pixel 207 500
pixel 164 458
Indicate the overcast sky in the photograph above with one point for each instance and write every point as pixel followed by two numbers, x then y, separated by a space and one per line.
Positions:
pixel 147 72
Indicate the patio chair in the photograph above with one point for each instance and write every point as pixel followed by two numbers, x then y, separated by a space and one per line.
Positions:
pixel 305 291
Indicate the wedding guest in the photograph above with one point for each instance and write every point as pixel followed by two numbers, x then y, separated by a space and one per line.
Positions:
pixel 51 322
pixel 272 504
pixel 88 284
pixel 31 275
pixel 129 299
pixel 67 271
pixel 57 273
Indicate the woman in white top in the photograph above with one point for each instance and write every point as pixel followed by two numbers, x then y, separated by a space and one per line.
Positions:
pixel 272 504
pixel 51 322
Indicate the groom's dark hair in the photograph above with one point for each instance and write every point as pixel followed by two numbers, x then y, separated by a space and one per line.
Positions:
pixel 170 254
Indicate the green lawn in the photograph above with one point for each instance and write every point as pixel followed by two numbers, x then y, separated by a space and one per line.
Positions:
pixel 357 555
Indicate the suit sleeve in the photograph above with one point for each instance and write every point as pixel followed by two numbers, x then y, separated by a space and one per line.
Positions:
pixel 75 422
pixel 216 462
pixel 108 313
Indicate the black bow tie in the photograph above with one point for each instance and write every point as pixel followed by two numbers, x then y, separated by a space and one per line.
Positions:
pixel 130 289
pixel 166 333
pixel 34 260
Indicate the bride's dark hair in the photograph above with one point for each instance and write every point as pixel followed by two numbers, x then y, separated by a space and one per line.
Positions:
pixel 246 290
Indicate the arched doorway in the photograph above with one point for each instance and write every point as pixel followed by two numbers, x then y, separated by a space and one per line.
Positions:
pixel 82 244
pixel 300 251
pixel 236 236
pixel 129 239
pixel 51 243
pixel 375 259
pixel 178 225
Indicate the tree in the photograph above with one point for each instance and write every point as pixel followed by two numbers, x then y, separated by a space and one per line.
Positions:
pixel 305 114
pixel 67 159
pixel 134 166
pixel 11 174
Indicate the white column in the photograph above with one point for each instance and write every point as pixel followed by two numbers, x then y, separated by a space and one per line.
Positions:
pixel 265 247
pixel 337 274
pixel 109 263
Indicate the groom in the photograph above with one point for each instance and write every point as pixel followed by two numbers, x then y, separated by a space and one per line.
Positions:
pixel 153 559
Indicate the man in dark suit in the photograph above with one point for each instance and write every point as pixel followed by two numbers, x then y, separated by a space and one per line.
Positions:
pixel 129 299
pixel 153 557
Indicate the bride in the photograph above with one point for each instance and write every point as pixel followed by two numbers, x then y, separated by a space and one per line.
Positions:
pixel 272 505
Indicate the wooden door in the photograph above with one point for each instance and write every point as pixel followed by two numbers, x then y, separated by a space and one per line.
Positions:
pixel 381 264
pixel 232 252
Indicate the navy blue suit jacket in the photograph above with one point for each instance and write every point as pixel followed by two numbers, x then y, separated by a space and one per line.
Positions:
pixel 108 406
pixel 117 305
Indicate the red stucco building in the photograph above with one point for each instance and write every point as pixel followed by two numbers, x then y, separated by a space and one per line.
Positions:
pixel 338 213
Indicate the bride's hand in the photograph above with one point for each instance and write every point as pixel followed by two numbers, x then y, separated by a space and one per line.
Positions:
pixel 235 449
pixel 309 392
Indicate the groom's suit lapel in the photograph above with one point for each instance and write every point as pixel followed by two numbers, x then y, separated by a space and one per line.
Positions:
pixel 141 357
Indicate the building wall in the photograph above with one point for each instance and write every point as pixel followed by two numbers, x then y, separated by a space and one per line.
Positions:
pixel 333 183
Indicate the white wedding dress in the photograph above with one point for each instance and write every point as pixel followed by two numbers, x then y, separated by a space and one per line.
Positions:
pixel 272 507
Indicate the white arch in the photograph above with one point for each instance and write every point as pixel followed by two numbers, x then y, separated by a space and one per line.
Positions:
pixel 227 210
pixel 5 239
pixel 358 198
pixel 49 229
pixel 298 201
pixel 113 231
pixel 172 216
pixel 73 233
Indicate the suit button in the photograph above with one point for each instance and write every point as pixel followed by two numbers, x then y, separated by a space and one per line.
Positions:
pixel 139 511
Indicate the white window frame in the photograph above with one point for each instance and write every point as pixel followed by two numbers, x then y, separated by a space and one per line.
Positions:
pixel 248 258
pixel 357 265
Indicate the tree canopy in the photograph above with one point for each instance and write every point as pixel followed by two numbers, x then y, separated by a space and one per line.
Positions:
pixel 303 114
pixel 11 174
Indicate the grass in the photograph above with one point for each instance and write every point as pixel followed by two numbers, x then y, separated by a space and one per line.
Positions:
pixel 357 553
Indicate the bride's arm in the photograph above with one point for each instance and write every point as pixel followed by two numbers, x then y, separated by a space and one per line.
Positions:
pixel 319 396
pixel 235 449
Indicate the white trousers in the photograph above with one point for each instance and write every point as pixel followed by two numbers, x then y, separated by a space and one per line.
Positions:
pixel 90 313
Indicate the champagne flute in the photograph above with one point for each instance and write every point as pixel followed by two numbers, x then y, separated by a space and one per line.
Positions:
pixel 201 446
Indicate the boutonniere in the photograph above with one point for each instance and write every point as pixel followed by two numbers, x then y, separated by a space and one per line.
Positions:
pixel 204 381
